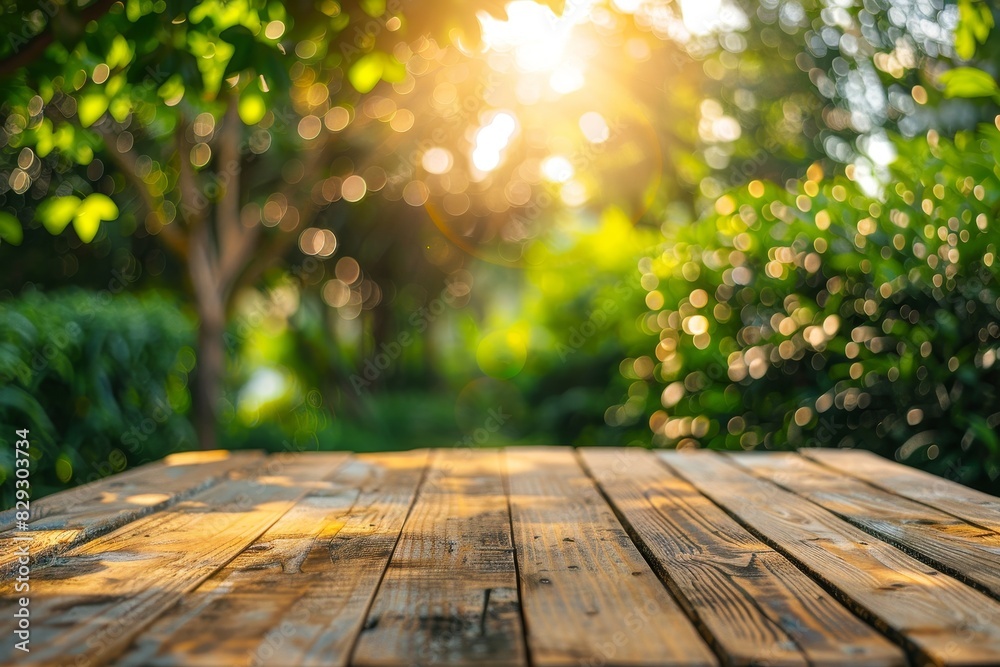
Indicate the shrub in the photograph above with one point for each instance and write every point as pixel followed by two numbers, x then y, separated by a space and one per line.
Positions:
pixel 817 315
pixel 99 380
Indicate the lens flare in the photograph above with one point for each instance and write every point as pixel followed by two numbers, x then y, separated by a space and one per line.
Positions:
pixel 437 160
pixel 532 32
pixel 557 169
pixel 491 140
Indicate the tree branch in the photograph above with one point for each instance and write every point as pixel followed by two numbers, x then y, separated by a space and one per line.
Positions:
pixel 127 161
pixel 235 240
pixel 278 245
pixel 193 202
pixel 270 252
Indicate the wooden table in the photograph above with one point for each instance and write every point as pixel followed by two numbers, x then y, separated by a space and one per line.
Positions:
pixel 527 556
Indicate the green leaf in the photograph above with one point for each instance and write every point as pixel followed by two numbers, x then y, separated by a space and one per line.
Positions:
pixel 44 142
pixel 276 75
pixel 374 8
pixel 975 21
pixel 10 229
pixel 120 53
pixel 393 71
pixel 56 213
pixel 86 226
pixel 15 398
pixel 366 72
pixel 253 105
pixel 120 108
pixel 243 48
pixel 91 107
pixel 965 44
pixel 94 209
pixel 968 82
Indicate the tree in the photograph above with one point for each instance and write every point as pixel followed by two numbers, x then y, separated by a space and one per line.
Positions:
pixel 848 307
pixel 228 120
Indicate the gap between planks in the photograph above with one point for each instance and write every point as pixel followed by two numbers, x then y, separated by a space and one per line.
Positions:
pixel 90 602
pixel 917 605
pixel 588 596
pixel 751 603
pixel 966 551
pixel 300 593
pixel 449 595
pixel 69 518
pixel 974 507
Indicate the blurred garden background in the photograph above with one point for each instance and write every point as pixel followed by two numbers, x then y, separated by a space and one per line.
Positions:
pixel 386 224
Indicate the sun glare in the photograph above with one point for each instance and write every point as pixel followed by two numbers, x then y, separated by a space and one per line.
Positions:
pixel 566 79
pixel 557 169
pixel 437 160
pixel 537 37
pixel 703 17
pixel 594 127
pixel 554 122
pixel 491 139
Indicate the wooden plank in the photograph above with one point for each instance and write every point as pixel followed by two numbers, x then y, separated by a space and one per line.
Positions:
pixel 116 488
pixel 963 550
pixel 968 504
pixel 942 620
pixel 71 517
pixel 753 605
pixel 587 594
pixel 449 595
pixel 92 600
pixel 299 594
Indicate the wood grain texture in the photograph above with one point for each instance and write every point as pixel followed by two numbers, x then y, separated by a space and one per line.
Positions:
pixel 624 558
pixel 964 550
pixel 968 504
pixel 449 595
pixel 93 599
pixel 942 620
pixel 588 596
pixel 71 517
pixel 299 594
pixel 753 604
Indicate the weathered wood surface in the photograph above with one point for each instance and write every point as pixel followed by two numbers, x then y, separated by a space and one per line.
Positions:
pixel 298 595
pixel 939 618
pixel 529 556
pixel 449 595
pixel 964 550
pixel 65 519
pixel 973 506
pixel 755 606
pixel 94 598
pixel 589 596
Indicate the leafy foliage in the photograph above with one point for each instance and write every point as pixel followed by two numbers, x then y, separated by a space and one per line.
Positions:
pixel 99 380
pixel 820 297
pixel 820 315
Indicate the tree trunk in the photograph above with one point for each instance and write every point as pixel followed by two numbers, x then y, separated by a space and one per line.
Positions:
pixel 211 353
pixel 208 379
